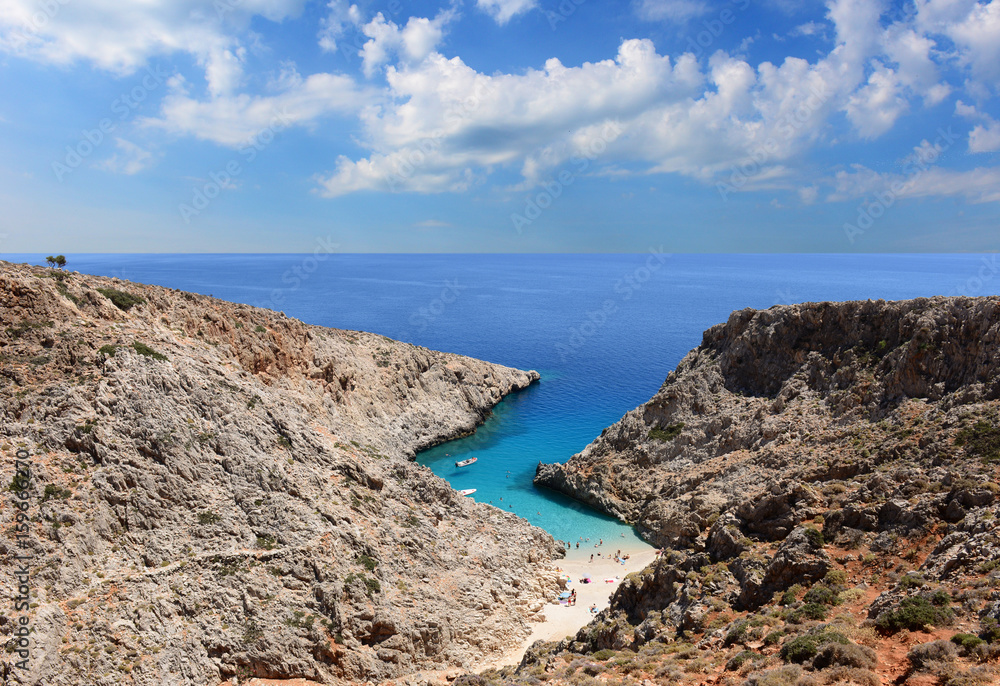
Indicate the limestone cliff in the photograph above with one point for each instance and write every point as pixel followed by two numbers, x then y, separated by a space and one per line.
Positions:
pixel 220 491
pixel 823 479
pixel 802 392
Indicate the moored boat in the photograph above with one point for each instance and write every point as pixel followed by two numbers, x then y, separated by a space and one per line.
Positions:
pixel 467 491
pixel 466 463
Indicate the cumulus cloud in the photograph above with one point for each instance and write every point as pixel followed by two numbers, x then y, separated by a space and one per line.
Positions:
pixel 412 43
pixel 503 11
pixel 874 108
pixel 107 34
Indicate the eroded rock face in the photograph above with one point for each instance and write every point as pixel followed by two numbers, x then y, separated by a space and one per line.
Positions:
pixel 809 471
pixel 773 400
pixel 246 506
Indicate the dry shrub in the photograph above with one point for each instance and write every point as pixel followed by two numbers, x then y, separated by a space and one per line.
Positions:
pixel 851 676
pixel 782 676
pixel 929 656
pixel 850 655
pixel 975 676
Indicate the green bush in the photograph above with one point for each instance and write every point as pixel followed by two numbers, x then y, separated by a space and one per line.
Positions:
pixel 372 586
pixel 209 517
pixel 805 647
pixel 967 641
pixel 108 350
pixel 990 631
pixel 122 300
pixel 144 349
pixel 669 433
pixel 913 614
pixel 815 537
pixel 835 577
pixel 774 637
pixel 822 594
pixel 604 654
pixel 740 659
pixel 982 439
pixel 788 597
pixel 368 563
pixel 813 611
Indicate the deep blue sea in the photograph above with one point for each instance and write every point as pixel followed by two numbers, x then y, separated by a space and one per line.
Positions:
pixel 603 330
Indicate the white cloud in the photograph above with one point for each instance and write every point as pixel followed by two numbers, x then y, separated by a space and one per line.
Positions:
pixel 875 108
pixel 449 123
pixel 121 37
pixel 234 120
pixel 911 52
pixel 332 27
pixel 413 43
pixel 677 11
pixel 810 28
pixel 978 185
pixel 130 159
pixel 503 11
pixel 985 138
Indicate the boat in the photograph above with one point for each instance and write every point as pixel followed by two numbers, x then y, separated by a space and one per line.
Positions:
pixel 466 463
pixel 467 491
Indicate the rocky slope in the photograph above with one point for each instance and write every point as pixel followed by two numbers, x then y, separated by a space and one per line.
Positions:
pixel 823 479
pixel 219 491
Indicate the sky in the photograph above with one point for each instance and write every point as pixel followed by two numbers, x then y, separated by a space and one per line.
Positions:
pixel 499 126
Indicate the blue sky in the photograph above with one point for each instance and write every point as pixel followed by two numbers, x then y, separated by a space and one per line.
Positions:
pixel 499 125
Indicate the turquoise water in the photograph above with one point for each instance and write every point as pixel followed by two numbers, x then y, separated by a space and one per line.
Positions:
pixel 603 330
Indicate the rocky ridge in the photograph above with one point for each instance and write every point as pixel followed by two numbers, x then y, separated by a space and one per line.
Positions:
pixel 222 492
pixel 823 479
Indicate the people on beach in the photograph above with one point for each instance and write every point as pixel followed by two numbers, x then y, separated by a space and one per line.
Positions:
pixel 591 557
pixel 593 609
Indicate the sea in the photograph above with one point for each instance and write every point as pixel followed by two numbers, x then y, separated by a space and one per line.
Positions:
pixel 602 330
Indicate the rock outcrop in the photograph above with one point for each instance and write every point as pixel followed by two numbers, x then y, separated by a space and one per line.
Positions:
pixel 824 480
pixel 219 491
pixel 776 399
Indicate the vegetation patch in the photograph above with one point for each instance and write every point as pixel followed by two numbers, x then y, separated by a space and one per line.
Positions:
pixel 122 300
pixel 145 350
pixel 982 439
pixel 913 614
pixel 668 433
pixel 805 647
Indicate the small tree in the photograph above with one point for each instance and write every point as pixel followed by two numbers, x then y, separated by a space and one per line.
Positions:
pixel 61 261
pixel 51 260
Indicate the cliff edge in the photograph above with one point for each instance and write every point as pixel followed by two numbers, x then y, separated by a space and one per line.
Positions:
pixel 218 491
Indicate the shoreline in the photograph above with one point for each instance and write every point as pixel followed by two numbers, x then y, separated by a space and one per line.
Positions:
pixel 562 620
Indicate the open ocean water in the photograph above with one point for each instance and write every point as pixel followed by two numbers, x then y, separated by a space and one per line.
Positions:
pixel 603 330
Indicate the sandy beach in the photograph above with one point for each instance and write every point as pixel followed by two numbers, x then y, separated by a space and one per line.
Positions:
pixel 562 620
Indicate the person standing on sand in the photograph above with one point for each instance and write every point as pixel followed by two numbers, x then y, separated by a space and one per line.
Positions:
pixel 591 557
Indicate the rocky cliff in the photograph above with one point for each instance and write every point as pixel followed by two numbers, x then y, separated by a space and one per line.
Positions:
pixel 823 479
pixel 219 491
